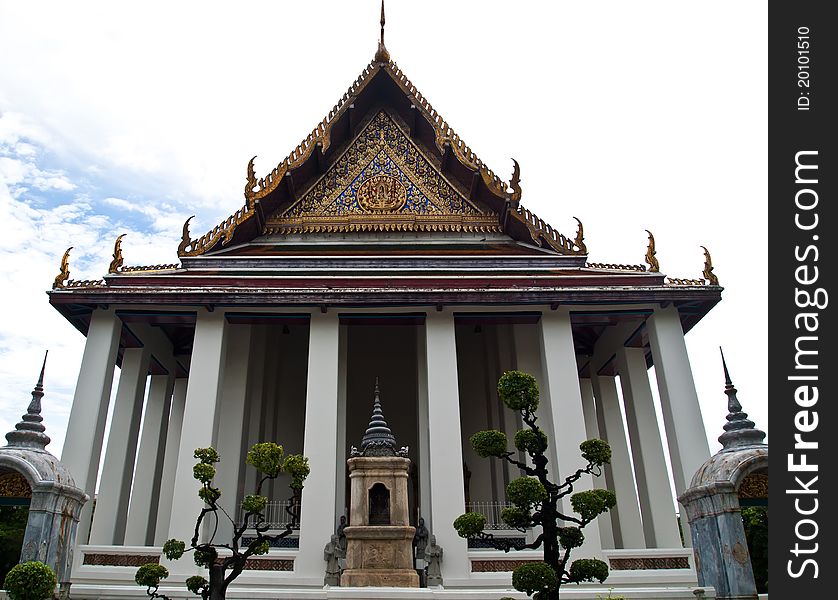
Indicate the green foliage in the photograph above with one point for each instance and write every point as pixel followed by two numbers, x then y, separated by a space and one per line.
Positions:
pixel 173 549
pixel 203 558
pixel 755 521
pixel 588 569
pixel 254 503
pixel 591 503
pixel 296 465
pixel 489 443
pixel 571 537
pixel 595 451
pixel 207 456
pixel 195 583
pixel 203 472
pixel 150 575
pixel 30 581
pixel 534 578
pixel 524 492
pixel 518 390
pixel 12 529
pixel 515 517
pixel 527 440
pixel 469 524
pixel 610 596
pixel 266 457
pixel 260 547
pixel 210 495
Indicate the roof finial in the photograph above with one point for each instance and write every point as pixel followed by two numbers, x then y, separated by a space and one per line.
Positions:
pixel 29 432
pixel 378 440
pixel 381 55
pixel 739 430
pixel 654 265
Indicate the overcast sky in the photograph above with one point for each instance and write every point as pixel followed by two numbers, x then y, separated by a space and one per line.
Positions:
pixel 120 117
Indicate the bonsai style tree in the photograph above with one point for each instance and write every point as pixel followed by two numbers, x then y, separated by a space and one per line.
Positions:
pixel 226 561
pixel 536 499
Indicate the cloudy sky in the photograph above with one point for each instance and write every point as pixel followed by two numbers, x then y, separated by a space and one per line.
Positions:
pixel 631 115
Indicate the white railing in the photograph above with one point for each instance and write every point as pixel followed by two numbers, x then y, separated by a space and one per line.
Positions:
pixel 490 510
pixel 276 515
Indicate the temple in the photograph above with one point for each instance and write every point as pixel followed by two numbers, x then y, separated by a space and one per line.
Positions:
pixel 381 247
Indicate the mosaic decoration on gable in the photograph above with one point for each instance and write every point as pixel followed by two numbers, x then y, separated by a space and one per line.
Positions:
pixel 382 183
pixel 14 485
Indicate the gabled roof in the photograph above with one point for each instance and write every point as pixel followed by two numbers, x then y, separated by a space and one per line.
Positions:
pixel 382 86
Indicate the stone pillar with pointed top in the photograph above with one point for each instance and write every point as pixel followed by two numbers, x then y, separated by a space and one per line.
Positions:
pixel 712 504
pixel 55 501
pixel 379 537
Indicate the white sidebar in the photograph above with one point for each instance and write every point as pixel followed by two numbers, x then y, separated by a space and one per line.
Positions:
pixel 592 430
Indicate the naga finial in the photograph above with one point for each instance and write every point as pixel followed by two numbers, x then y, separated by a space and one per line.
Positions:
pixel 116 263
pixel 708 268
pixel 64 273
pixel 251 180
pixel 382 55
pixel 185 239
pixel 580 238
pixel 654 265
pixel 515 184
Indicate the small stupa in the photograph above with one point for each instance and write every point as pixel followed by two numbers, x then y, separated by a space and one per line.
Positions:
pixel 379 537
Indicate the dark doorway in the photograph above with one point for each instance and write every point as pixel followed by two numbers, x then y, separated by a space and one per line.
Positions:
pixel 379 505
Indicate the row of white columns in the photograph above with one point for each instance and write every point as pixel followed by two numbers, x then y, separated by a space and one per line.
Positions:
pixel 211 410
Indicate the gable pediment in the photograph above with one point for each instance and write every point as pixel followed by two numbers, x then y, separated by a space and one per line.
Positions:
pixel 382 181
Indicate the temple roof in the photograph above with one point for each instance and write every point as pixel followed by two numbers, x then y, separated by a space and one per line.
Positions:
pixel 382 138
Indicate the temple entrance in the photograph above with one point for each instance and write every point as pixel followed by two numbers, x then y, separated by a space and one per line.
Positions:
pixel 15 495
pixel 753 498
pixel 386 348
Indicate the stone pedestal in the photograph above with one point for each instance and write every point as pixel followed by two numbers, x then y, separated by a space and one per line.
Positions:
pixel 379 539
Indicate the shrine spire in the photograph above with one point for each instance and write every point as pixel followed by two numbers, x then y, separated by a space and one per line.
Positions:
pixel 29 432
pixel 382 55
pixel 739 429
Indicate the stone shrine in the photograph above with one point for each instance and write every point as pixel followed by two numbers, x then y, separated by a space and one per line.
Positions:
pixel 379 537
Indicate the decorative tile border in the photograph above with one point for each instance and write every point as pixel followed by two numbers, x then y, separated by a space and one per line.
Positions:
pixel 267 564
pixel 497 566
pixel 119 560
pixel 649 563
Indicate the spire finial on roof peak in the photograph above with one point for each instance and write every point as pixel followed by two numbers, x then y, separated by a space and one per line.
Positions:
pixel 29 432
pixel 739 429
pixel 382 55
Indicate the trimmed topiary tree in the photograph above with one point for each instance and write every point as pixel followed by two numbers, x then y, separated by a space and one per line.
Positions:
pixel 225 566
pixel 31 580
pixel 535 499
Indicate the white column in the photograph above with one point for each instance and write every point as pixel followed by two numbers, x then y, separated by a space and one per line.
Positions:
pixel 444 438
pixel 255 394
pixel 592 431
pixel 86 426
pixel 528 359
pixel 627 510
pixel 424 435
pixel 142 509
pixel 340 482
pixel 688 447
pixel 167 476
pixel 320 445
pixel 206 374
pixel 564 399
pixel 231 424
pixel 118 468
pixel 656 502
